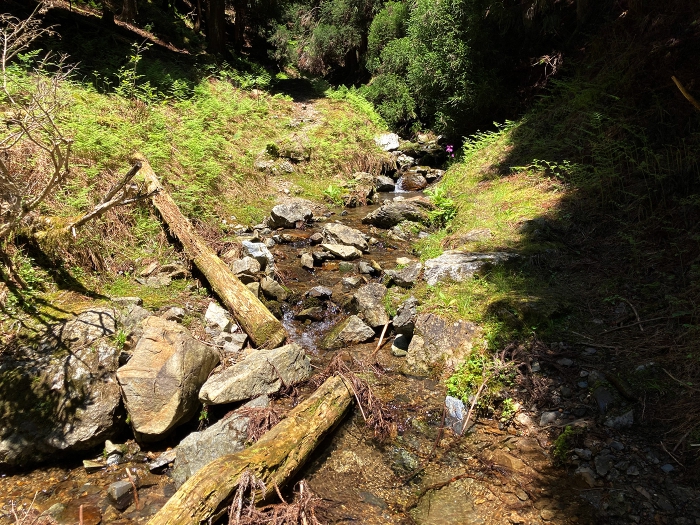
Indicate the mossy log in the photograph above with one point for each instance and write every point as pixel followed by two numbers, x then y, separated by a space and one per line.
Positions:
pixel 256 320
pixel 274 459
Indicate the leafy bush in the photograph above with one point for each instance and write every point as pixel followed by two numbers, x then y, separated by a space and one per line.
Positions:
pixel 389 25
pixel 392 98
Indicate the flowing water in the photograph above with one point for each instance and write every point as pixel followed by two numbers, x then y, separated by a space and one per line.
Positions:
pixel 498 476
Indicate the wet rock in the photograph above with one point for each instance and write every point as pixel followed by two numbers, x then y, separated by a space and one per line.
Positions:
pixel 405 277
pixel 164 459
pixel 175 314
pixel 340 251
pixel 335 233
pixel 434 175
pixel 361 191
pixel 315 313
pixel 259 252
pixel 320 292
pixel 392 213
pixel 412 181
pixel 399 347
pixel 92 466
pixel 384 183
pixel 405 230
pixel 346 267
pixel 403 461
pixel 387 141
pixel 348 332
pixel 120 494
pixel 226 436
pixel 454 265
pixel 321 255
pixel 273 290
pixel 259 373
pixel 307 261
pixel 604 398
pixel 438 344
pixel 62 394
pixel 365 268
pixel 405 320
pixel 456 412
pixel 451 505
pixel 405 161
pixel 623 421
pixel 369 303
pixel 287 215
pixel 161 380
pixel 218 316
pixel 316 238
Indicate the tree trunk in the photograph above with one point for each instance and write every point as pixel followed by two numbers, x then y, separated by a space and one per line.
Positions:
pixel 257 321
pixel 239 7
pixel 216 26
pixel 129 11
pixel 198 19
pixel 275 458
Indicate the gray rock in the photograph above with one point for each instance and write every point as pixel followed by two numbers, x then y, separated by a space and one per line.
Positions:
pixel 218 316
pixel 269 243
pixel 565 361
pixel 316 238
pixel 155 281
pixel 405 277
pixel 399 347
pixel 346 267
pixel 384 184
pixel 403 461
pixel 232 343
pixel 287 215
pixel 335 233
pixel 227 436
pixel 120 494
pixel 548 418
pixel 405 320
pixel 254 288
pixel 92 466
pixel 321 255
pixel 387 141
pixel 340 251
pixel 175 313
pixel 632 471
pixel 603 464
pixel 160 382
pixel 350 283
pixel 307 261
pixel 456 412
pixel 392 213
pixel 438 345
pixel 405 161
pixel 164 459
pixel 587 475
pixel 261 372
pixel 60 395
pixel 604 398
pixel 667 468
pixel 273 290
pixel 125 301
pixel 320 292
pixel 247 265
pixel 131 316
pixel 584 453
pixel 259 252
pixel 454 265
pixel 369 302
pixel 348 332
pixel 365 268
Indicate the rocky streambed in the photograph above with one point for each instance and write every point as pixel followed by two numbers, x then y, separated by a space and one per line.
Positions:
pixel 124 423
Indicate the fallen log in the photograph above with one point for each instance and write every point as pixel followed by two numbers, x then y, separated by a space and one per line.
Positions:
pixel 274 459
pixel 256 320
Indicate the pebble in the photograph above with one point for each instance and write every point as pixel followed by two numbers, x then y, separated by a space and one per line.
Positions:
pixel 632 471
pixel 582 384
pixel 667 468
pixel 565 361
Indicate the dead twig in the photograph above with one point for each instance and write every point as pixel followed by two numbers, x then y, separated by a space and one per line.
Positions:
pixel 632 324
pixel 133 484
pixel 671 455
pixel 635 313
pixel 685 93
pixel 680 382
pixel 484 382
pixel 381 340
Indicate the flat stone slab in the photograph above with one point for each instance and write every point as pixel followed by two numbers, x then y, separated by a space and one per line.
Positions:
pixel 340 251
pixel 454 265
pixel 341 234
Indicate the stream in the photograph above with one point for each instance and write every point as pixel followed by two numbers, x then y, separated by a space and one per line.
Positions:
pixel 494 475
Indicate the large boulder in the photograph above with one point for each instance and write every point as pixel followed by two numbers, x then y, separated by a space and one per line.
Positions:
pixel 226 436
pixel 262 372
pixel 161 380
pixel 392 213
pixel 387 141
pixel 454 265
pixel 335 233
pixel 60 395
pixel 384 183
pixel 289 214
pixel 369 302
pixel 351 331
pixel 439 345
